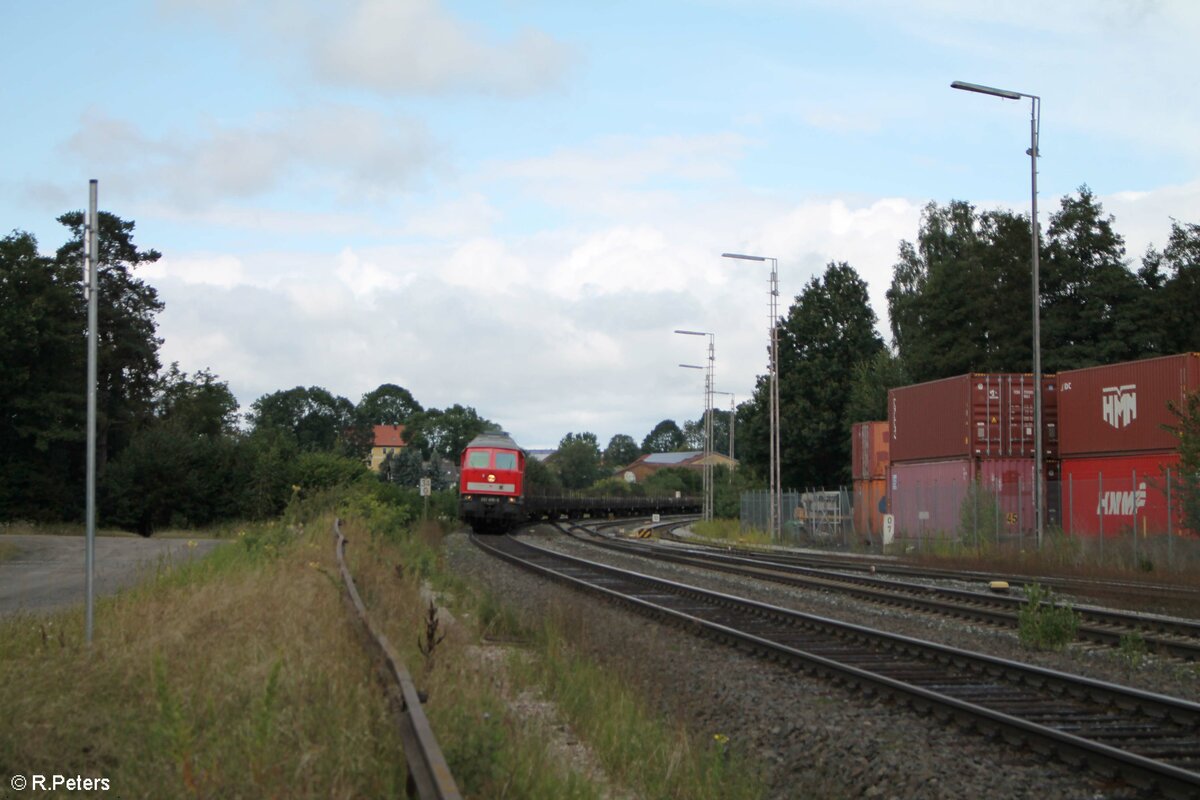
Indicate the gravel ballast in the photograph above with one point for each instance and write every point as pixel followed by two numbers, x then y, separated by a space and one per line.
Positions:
pixel 811 737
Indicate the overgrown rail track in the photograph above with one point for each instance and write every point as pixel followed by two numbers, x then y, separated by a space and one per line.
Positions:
pixel 1179 638
pixel 1148 739
pixel 429 776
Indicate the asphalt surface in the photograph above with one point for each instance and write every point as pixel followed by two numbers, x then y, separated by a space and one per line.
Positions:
pixel 47 572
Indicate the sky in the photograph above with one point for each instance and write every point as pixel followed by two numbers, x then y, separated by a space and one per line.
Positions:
pixel 513 204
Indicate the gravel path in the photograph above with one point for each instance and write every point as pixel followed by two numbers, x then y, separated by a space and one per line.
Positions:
pixel 812 738
pixel 47 572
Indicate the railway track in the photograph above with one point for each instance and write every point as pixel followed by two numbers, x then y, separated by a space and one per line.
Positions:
pixel 1181 598
pixel 1178 638
pixel 1148 739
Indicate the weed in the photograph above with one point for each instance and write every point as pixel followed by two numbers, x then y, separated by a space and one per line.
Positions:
pixel 1132 650
pixel 1043 623
pixel 497 620
pixel 432 639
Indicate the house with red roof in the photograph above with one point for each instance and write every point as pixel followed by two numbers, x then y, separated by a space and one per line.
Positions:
pixel 388 439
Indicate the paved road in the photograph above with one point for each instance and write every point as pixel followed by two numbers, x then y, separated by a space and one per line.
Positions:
pixel 47 572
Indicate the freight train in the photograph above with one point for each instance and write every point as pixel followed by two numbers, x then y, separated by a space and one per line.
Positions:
pixel 492 496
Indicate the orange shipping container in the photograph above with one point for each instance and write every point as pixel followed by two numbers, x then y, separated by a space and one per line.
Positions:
pixel 869 450
pixel 870 504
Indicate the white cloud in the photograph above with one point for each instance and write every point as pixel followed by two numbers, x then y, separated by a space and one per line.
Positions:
pixel 348 154
pixel 390 46
pixel 225 271
pixel 416 46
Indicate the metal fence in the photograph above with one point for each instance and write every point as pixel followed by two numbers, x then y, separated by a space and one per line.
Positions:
pixel 814 517
pixel 999 510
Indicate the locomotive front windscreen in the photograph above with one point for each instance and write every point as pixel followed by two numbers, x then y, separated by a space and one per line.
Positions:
pixel 506 460
pixel 479 459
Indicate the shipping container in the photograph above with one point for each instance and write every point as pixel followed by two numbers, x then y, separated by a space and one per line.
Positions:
pixel 869 450
pixel 985 415
pixel 870 504
pixel 1114 495
pixel 1121 409
pixel 961 497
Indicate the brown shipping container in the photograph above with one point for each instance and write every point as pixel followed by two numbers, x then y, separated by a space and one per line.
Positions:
pixel 869 450
pixel 1122 408
pixel 986 415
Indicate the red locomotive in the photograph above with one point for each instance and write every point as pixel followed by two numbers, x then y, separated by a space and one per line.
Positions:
pixel 491 483
pixel 492 495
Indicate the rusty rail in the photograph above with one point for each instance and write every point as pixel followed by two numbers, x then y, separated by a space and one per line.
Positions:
pixel 429 777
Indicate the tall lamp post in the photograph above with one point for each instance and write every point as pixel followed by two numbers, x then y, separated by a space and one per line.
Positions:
pixel 1035 119
pixel 706 468
pixel 775 521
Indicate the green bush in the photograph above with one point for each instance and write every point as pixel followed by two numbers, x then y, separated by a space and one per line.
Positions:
pixel 1043 623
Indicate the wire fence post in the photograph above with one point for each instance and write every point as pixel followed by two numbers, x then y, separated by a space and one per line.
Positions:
pixel 1071 504
pixel 1134 491
pixel 1170 520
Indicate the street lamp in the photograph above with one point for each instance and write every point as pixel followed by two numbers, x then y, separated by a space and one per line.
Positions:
pixel 1035 120
pixel 775 520
pixel 706 467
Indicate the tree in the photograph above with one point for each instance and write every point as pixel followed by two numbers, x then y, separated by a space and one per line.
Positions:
pixel 444 433
pixel 388 404
pixel 578 460
pixel 621 450
pixel 43 323
pixel 869 386
pixel 1186 478
pixel 1175 275
pixel 127 347
pixel 540 479
pixel 314 417
pixel 1094 309
pixel 960 298
pixel 828 330
pixel 168 476
pixel 665 438
pixel 201 405
pixel 404 467
pixel 42 375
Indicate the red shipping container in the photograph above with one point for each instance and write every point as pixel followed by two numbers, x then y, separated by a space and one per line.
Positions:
pixel 987 415
pixel 1115 495
pixel 869 450
pixel 933 498
pixel 870 504
pixel 1122 408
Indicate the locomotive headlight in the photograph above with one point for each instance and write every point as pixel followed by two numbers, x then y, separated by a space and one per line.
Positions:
pixel 491 478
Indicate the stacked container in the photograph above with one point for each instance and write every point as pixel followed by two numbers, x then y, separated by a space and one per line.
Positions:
pixel 868 463
pixel 950 435
pixel 1117 454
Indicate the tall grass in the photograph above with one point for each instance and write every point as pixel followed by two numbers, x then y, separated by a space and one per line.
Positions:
pixel 231 676
pixel 729 531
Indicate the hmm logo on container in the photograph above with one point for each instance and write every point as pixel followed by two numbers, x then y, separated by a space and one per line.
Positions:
pixel 1120 404
pixel 1121 504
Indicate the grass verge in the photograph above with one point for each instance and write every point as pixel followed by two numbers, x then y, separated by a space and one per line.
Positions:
pixel 232 676
pixel 729 531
